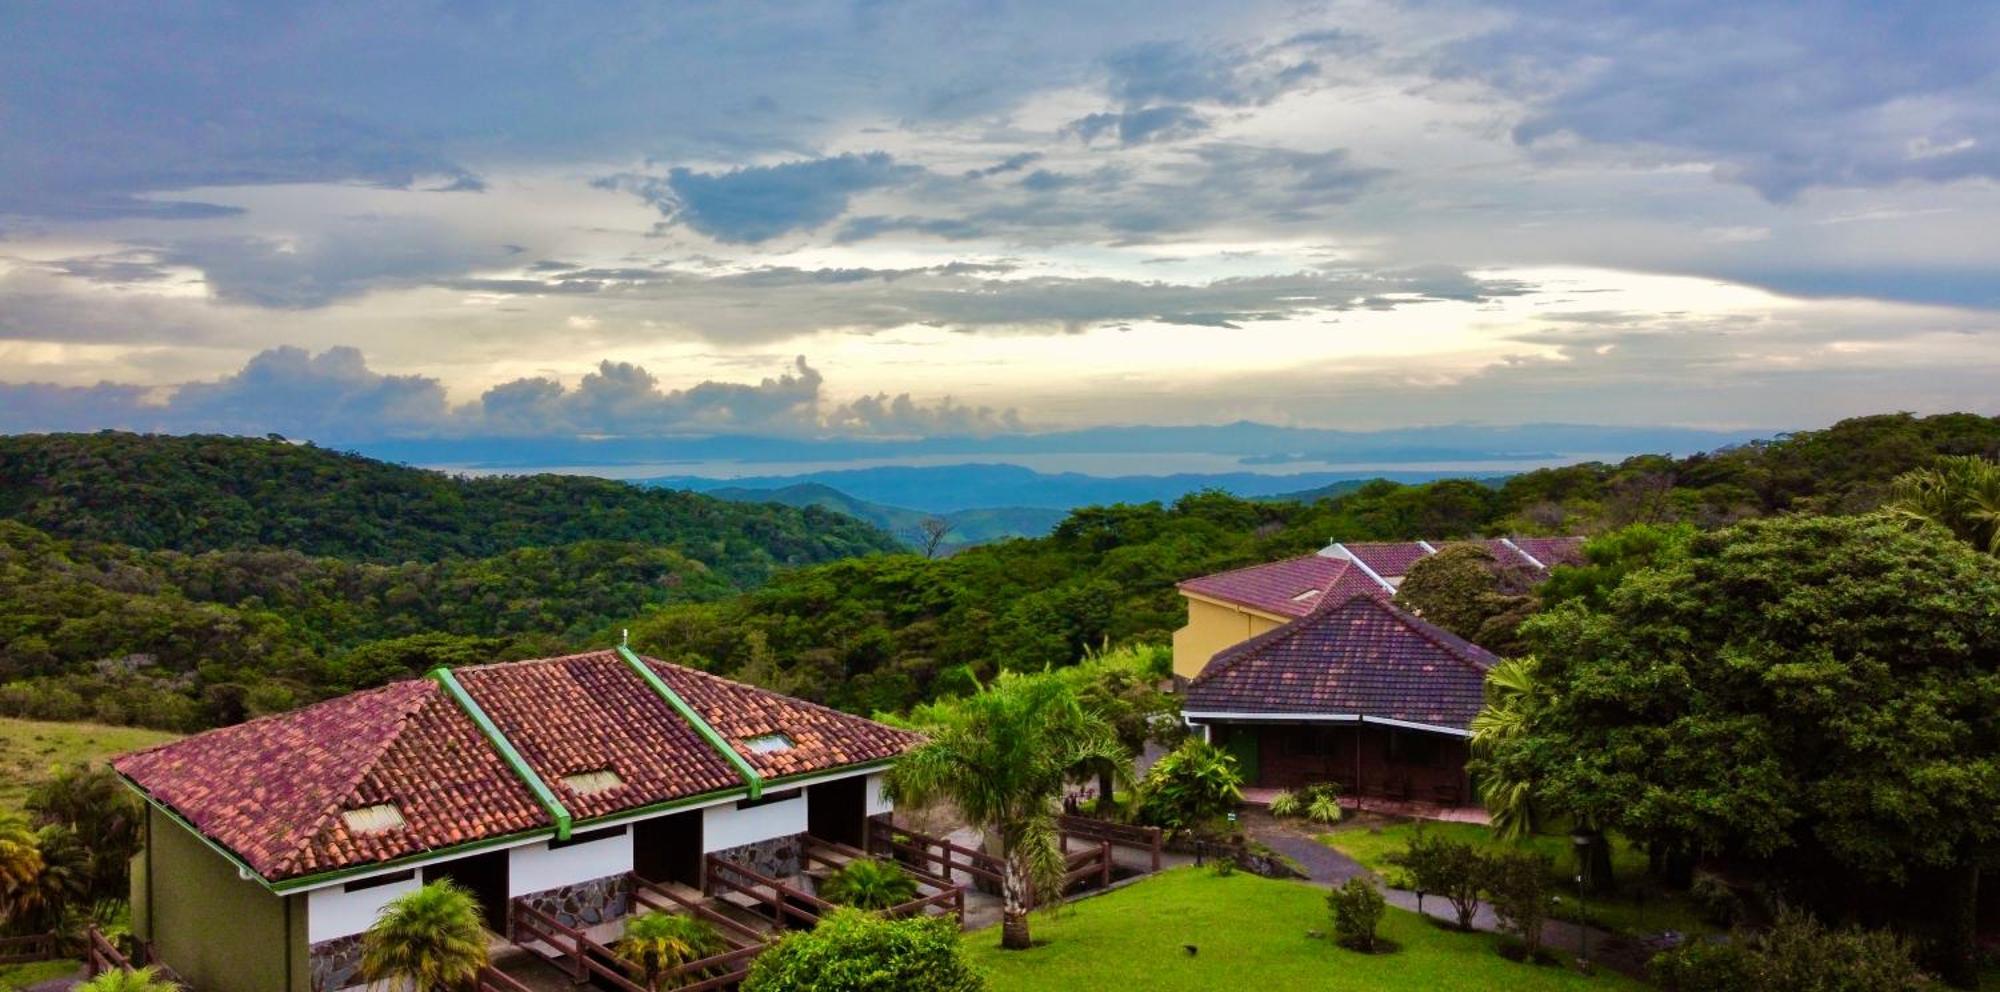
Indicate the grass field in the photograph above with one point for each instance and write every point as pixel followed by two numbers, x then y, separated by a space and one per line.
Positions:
pixel 1249 933
pixel 20 976
pixel 1625 911
pixel 30 749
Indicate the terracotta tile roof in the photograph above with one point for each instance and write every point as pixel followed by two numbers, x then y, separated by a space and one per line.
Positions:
pixel 1362 656
pixel 273 790
pixel 1290 588
pixel 1389 559
pixel 1553 551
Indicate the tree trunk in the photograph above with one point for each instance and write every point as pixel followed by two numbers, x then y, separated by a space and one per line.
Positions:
pixel 1104 800
pixel 1957 950
pixel 1597 870
pixel 1014 910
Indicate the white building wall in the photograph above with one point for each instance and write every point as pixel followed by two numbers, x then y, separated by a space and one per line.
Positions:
pixel 336 912
pixel 878 797
pixel 724 827
pixel 537 868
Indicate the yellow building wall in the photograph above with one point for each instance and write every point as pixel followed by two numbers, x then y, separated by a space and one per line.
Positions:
pixel 216 930
pixel 1210 628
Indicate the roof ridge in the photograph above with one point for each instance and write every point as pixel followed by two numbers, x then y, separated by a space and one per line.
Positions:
pixel 391 735
pixel 1450 643
pixel 753 687
pixel 1249 568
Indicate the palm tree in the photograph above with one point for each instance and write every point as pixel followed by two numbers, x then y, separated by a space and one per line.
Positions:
pixel 1513 694
pixel 20 870
pixel 137 980
pixel 1001 756
pixel 869 883
pixel 1960 493
pixel 656 944
pixel 433 939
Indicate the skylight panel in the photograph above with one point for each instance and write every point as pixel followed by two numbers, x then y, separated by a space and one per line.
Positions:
pixel 377 819
pixel 1302 597
pixel 769 744
pixel 593 783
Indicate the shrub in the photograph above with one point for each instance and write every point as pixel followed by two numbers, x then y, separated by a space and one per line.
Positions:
pixel 1448 868
pixel 119 980
pixel 1286 803
pixel 1357 910
pixel 1797 955
pixel 655 944
pixel 1517 884
pixel 852 951
pixel 1717 902
pixel 431 938
pixel 1324 808
pixel 1196 783
pixel 869 883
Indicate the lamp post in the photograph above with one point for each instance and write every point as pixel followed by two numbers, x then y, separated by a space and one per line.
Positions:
pixel 1582 839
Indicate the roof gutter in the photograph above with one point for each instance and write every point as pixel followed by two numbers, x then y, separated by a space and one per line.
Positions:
pixel 1204 716
pixel 543 794
pixel 708 733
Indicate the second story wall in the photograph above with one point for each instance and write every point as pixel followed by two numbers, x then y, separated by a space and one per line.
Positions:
pixel 1211 627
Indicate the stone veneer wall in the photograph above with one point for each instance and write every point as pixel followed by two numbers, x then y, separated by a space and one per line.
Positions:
pixel 586 903
pixel 336 963
pixel 779 857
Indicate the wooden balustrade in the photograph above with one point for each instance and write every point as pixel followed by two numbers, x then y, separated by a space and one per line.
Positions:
pixel 785 903
pixel 34 947
pixel 492 979
pixel 101 955
pixel 1146 840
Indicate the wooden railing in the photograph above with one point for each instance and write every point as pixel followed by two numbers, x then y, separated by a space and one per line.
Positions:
pixel 946 896
pixel 1146 840
pixel 101 955
pixel 34 947
pixel 579 955
pixel 909 846
pixel 784 903
pixel 1085 865
pixel 492 979
pixel 717 970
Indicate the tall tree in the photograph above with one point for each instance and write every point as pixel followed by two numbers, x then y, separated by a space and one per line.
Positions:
pixel 20 870
pixel 655 944
pixel 1960 493
pixel 1001 757
pixel 1815 698
pixel 430 939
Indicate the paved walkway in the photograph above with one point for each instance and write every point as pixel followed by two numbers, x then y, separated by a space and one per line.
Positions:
pixel 1328 867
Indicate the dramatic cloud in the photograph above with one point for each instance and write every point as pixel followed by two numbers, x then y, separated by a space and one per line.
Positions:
pixel 334 397
pixel 1138 127
pixel 758 203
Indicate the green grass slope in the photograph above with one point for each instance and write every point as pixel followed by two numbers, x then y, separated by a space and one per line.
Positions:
pixel 31 749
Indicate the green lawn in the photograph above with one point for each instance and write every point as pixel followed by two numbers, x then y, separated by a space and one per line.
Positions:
pixel 1250 933
pixel 1624 911
pixel 29 749
pixel 20 976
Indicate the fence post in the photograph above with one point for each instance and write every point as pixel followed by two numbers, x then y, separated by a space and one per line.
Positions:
pixel 1156 848
pixel 1104 872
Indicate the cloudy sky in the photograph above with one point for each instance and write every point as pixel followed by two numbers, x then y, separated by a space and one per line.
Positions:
pixel 374 219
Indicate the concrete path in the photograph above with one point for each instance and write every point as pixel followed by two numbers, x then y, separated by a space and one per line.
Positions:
pixel 1328 867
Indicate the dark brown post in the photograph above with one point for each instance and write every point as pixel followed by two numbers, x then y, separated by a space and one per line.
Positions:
pixel 1104 873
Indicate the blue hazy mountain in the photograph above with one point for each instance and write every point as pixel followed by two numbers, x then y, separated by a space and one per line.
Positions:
pixel 964 528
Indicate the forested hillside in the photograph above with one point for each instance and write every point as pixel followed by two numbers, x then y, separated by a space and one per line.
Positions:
pixel 880 633
pixel 181 582
pixel 206 493
pixel 152 588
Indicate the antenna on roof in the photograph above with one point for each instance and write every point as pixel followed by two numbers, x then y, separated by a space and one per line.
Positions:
pixel 625 637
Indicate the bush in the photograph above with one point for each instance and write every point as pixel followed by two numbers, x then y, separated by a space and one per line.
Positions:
pixel 655 945
pixel 852 951
pixel 1196 783
pixel 1324 808
pixel 1447 868
pixel 1517 884
pixel 869 883
pixel 1717 902
pixel 1286 803
pixel 1357 910
pixel 1797 955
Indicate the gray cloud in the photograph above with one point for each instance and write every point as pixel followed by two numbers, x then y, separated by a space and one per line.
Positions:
pixel 1139 127
pixel 758 203
pixel 1012 163
pixel 1176 72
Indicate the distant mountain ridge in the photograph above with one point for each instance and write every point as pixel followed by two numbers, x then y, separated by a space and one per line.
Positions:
pixel 965 527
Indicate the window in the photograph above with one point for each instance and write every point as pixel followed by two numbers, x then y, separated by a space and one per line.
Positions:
pixel 1406 748
pixel 769 744
pixel 378 881
pixel 770 797
pixel 371 820
pixel 602 833
pixel 593 783
pixel 1308 594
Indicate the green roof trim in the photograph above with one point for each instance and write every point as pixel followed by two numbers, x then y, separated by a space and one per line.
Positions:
pixel 543 795
pixel 708 733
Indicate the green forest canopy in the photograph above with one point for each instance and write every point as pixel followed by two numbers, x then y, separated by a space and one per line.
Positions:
pixel 182 582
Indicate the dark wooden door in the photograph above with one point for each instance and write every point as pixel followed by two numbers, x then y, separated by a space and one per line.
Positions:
pixel 838 811
pixel 483 875
pixel 668 848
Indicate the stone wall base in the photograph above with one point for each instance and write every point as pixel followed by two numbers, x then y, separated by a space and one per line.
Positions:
pixel 586 904
pixel 779 857
pixel 335 964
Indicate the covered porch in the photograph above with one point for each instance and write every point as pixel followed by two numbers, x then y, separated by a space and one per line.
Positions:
pixel 1369 759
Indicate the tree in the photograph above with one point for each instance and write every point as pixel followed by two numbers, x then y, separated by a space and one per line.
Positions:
pixel 1466 590
pixel 1814 698
pixel 655 944
pixel 1191 787
pixel 136 980
pixel 1001 757
pixel 1357 910
pixel 89 801
pixel 1513 694
pixel 1444 867
pixel 20 870
pixel 853 951
pixel 1117 689
pixel 1517 887
pixel 1960 493
pixel 931 533
pixel 1796 955
pixel 869 883
pixel 431 938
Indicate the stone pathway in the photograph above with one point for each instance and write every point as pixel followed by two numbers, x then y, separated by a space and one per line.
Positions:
pixel 1328 867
